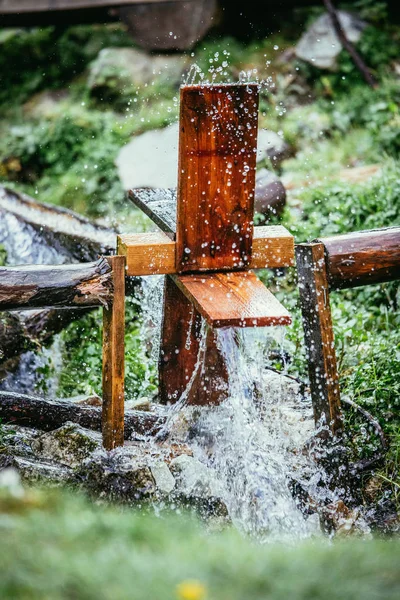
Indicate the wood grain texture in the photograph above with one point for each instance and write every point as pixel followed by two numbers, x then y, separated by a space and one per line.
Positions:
pixel 190 362
pixel 113 359
pixel 147 253
pixel 159 205
pixel 216 176
pixel 235 299
pixel 47 415
pixel 77 285
pixel 154 253
pixel 318 334
pixel 363 257
pixel 21 6
pixel 273 247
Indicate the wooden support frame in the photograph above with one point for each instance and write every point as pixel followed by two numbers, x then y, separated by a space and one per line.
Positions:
pixel 154 253
pixel 318 334
pixel 114 359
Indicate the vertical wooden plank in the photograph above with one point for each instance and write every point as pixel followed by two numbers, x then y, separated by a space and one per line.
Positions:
pixel 216 176
pixel 113 359
pixel 318 333
pixel 184 358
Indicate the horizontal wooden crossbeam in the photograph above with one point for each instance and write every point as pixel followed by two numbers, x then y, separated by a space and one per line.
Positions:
pixel 233 299
pixel 154 253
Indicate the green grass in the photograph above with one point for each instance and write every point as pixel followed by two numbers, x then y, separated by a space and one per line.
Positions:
pixel 53 546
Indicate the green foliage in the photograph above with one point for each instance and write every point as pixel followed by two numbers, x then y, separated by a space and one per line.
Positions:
pixel 39 58
pixel 3 256
pixel 342 207
pixel 82 356
pixel 54 546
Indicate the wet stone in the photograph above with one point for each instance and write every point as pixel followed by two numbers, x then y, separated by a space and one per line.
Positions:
pixel 320 46
pixel 33 470
pixel 70 444
pixel 119 69
pixel 119 475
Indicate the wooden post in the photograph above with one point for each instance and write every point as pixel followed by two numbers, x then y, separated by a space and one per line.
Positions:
pixel 318 334
pixel 113 359
pixel 216 177
pixel 182 359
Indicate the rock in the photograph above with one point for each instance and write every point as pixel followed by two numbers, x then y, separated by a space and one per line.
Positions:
pixel 150 159
pixel 173 25
pixel 85 400
pixel 320 46
pixel 121 69
pixel 139 404
pixel 270 194
pixel 46 104
pixel 70 444
pixel 120 475
pixel 34 471
pixel 272 146
pixel 163 477
pixel 18 440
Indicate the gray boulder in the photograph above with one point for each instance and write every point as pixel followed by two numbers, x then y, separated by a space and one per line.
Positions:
pixel 320 46
pixel 120 69
pixel 69 445
pixel 270 194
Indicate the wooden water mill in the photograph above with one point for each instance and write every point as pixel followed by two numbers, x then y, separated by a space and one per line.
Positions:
pixel 207 247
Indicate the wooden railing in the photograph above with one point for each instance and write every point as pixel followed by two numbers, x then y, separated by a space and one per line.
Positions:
pixel 337 262
pixel 100 283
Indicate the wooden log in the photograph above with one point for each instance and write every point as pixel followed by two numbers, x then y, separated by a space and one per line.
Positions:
pixel 32 286
pixel 32 411
pixel 60 233
pixel 190 361
pixel 363 257
pixel 216 176
pixel 114 358
pixel 154 253
pixel 236 299
pixel 7 6
pixel 318 334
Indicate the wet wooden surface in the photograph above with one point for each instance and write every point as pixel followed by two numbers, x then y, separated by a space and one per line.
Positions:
pixel 47 286
pixel 113 359
pixel 318 334
pixel 158 204
pixel 154 252
pixel 216 176
pixel 21 6
pixel 188 364
pixel 363 257
pixel 235 299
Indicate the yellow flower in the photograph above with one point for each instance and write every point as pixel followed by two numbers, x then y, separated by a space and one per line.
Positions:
pixel 191 590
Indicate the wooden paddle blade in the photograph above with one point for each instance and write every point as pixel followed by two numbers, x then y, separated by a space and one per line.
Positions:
pixel 236 299
pixel 190 361
pixel 216 176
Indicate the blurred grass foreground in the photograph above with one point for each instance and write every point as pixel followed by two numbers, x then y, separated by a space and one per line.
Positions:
pixel 54 545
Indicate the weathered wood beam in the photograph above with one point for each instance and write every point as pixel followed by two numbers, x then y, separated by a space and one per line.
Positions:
pixel 216 176
pixel 154 253
pixel 77 285
pixel 233 299
pixel 46 5
pixel 362 258
pixel 31 411
pixel 114 358
pixel 188 364
pixel 318 334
